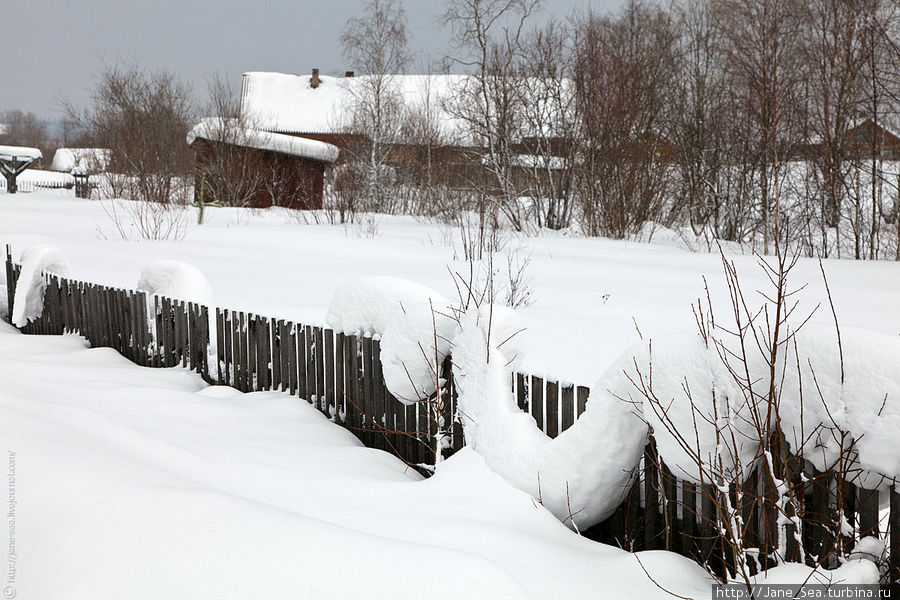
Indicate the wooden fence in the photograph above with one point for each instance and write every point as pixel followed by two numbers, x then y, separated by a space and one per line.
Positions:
pixel 341 376
pixel 31 185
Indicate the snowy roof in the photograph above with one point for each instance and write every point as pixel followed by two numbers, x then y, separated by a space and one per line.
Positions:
pixel 288 103
pixel 86 159
pixel 10 152
pixel 233 132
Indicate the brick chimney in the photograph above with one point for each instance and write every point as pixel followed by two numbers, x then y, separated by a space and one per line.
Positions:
pixel 314 80
pixel 348 73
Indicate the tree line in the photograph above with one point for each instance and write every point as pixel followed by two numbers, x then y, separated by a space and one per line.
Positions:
pixel 762 122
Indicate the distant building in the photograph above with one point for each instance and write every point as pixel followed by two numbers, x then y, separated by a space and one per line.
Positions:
pixel 86 160
pixel 321 108
pixel 271 169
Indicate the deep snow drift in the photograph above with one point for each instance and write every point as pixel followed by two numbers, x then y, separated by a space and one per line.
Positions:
pixel 144 483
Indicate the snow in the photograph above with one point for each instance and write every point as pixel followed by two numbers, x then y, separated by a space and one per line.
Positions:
pixel 414 344
pixel 287 103
pixel 233 132
pixel 120 450
pixel 590 293
pixel 668 365
pixel 580 476
pixel 36 261
pixel 865 404
pixel 366 305
pixel 176 279
pixel 20 152
pixel 852 572
pixel 41 177
pixel 145 483
pixel 83 159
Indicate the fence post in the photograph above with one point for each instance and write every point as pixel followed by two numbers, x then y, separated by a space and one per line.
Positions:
pixel 651 497
pixel 895 534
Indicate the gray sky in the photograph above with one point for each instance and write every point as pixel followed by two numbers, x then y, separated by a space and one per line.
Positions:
pixel 53 48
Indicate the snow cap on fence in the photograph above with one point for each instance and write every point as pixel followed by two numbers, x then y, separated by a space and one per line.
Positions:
pixel 176 279
pixel 367 304
pixel 28 303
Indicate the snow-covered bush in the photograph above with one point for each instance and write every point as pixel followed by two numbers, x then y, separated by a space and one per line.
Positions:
pixel 764 390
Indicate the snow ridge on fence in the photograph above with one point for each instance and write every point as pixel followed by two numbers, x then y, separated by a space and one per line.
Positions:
pixel 341 376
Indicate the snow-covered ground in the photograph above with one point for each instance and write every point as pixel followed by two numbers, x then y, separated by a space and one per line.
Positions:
pixel 136 483
pixel 589 294
pixel 143 483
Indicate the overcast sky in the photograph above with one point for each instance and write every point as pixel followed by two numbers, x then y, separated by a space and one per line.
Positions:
pixel 53 48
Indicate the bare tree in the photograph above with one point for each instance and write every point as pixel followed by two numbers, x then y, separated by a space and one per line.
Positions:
pixel 143 118
pixel 704 194
pixel 761 45
pixel 376 45
pixel 229 172
pixel 487 38
pixel 549 124
pixel 623 80
pixel 25 129
pixel 834 59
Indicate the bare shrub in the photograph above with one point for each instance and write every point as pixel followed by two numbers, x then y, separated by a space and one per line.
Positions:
pixel 143 119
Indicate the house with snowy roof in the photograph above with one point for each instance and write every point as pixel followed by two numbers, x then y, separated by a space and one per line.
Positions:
pixel 245 166
pixel 305 124
pixel 323 108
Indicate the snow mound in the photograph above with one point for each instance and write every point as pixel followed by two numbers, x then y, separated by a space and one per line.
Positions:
pixel 852 572
pixel 582 475
pixel 176 279
pixel 866 405
pixel 28 303
pixel 693 389
pixel 414 344
pixel 420 335
pixel 507 332
pixel 90 160
pixel 367 304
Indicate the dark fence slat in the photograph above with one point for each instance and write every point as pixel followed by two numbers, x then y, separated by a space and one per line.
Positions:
pixel 521 392
pixel 551 407
pixel 328 372
pixel 277 327
pixel 567 407
pixel 868 513
pixel 582 394
pixel 310 365
pixel 339 379
pixel 319 353
pixel 537 401
pixel 894 526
